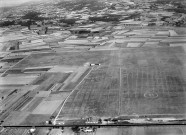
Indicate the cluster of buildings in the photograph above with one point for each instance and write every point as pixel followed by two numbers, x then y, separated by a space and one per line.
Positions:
pixel 18 42
pixel 143 13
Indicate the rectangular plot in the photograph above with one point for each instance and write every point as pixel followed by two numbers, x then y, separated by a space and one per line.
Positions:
pixel 43 107
pixel 22 80
pixel 34 103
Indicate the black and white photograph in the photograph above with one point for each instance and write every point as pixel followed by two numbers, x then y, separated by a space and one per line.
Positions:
pixel 92 67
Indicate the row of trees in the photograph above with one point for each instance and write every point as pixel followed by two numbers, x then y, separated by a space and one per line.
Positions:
pixel 93 5
pixel 31 16
pixel 34 16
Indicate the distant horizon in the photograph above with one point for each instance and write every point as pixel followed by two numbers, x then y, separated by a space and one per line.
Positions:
pixel 10 3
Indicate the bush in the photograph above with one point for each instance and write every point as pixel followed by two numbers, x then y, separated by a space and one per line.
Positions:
pixel 68 21
pixel 107 18
pixel 7 23
pixel 33 16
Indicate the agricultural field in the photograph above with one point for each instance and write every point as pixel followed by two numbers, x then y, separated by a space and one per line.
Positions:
pixel 48 81
pixel 77 58
pixel 129 82
pixel 143 81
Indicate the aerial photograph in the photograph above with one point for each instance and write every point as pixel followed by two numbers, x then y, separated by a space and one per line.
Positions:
pixel 92 67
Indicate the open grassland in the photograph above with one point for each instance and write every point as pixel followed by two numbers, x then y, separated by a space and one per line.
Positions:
pixel 65 58
pixel 135 82
pixel 129 82
pixel 36 119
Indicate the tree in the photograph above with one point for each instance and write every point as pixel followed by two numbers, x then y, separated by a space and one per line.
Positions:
pixel 32 16
pixel 76 129
pixel 68 21
pixel 100 121
pixel 7 23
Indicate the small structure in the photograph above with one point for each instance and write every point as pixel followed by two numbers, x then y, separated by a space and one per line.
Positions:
pixel 15 45
pixel 88 130
pixel 80 30
pixel 86 30
pixel 32 131
pixel 95 64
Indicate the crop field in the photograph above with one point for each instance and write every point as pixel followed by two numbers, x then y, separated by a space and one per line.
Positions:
pixel 36 119
pixel 78 58
pixel 146 81
pixel 60 78
pixel 42 108
pixel 16 118
pixel 49 80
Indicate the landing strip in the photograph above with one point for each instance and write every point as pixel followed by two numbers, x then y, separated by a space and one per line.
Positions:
pixel 137 81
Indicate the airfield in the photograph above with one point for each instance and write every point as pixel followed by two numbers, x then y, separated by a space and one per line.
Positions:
pixel 134 82
pixel 137 73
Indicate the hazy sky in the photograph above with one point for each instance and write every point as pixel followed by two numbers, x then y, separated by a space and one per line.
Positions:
pixel 4 3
